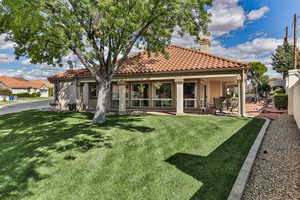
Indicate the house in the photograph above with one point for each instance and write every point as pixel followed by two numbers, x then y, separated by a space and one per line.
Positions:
pixel 20 85
pixel 185 81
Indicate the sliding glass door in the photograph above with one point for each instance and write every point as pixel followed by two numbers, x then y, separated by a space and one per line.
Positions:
pixel 140 95
pixel 162 95
pixel 189 90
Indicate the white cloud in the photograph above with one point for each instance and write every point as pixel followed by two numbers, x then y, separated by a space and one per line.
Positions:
pixel 5 58
pixel 259 49
pixel 227 16
pixel 31 74
pixel 250 51
pixel 257 14
pixel 5 44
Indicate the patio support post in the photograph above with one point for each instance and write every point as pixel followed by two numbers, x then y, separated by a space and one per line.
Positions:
pixel 122 97
pixel 242 96
pixel 179 96
pixel 85 96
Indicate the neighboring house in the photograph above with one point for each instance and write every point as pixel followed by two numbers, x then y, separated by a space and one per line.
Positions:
pixel 20 85
pixel 277 82
pixel 187 81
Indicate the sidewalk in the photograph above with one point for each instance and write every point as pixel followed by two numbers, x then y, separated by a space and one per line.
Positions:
pixel 254 110
pixel 276 171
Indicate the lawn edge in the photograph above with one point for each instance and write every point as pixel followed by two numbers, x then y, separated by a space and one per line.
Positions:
pixel 242 179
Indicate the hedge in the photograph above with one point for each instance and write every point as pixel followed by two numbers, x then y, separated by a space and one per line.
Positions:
pixel 281 100
pixel 28 95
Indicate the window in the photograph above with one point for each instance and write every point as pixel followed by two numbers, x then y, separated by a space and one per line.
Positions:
pixel 163 95
pixel 189 90
pixel 93 90
pixel 56 91
pixel 115 95
pixel 81 89
pixel 140 95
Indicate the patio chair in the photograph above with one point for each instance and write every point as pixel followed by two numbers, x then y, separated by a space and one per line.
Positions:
pixel 219 104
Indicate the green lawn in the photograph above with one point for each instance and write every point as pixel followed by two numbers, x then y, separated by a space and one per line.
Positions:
pixel 32 98
pixel 61 156
pixel 6 102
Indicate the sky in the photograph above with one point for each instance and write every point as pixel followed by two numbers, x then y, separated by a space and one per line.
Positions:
pixel 244 30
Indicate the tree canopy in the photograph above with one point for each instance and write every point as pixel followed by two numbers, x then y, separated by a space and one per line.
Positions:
pixel 257 76
pixel 101 33
pixel 283 58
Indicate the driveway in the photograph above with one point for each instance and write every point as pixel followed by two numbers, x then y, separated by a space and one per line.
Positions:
pixel 24 106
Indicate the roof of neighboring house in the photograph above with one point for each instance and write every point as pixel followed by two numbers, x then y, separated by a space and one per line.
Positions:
pixel 16 82
pixel 178 59
pixel 41 83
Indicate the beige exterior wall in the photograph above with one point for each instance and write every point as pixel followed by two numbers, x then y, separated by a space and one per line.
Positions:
pixel 66 94
pixel 297 103
pixel 215 90
pixel 293 87
pixel 20 90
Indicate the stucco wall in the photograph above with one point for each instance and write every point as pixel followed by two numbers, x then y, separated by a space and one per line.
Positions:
pixel 293 87
pixel 297 103
pixel 66 94
pixel 214 90
pixel 20 90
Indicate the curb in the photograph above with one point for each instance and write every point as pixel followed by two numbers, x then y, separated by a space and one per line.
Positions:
pixel 241 181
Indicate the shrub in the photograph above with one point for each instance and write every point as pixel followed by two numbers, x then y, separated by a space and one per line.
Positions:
pixel 72 107
pixel 28 95
pixel 50 92
pixel 279 90
pixel 23 95
pixel 281 100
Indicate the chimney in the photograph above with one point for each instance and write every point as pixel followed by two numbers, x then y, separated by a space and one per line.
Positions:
pixel 204 43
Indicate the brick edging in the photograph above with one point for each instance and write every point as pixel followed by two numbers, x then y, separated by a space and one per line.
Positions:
pixel 241 181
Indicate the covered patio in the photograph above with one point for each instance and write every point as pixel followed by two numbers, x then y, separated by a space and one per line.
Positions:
pixel 185 94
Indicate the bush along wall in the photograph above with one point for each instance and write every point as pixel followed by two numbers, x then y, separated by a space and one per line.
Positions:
pixel 28 95
pixel 281 101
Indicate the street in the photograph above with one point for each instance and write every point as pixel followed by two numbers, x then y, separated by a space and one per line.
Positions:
pixel 24 106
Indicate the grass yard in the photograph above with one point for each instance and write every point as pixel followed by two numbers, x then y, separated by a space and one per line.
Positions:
pixel 32 98
pixel 61 156
pixel 6 102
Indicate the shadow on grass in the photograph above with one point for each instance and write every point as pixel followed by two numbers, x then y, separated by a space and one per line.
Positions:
pixel 28 139
pixel 219 169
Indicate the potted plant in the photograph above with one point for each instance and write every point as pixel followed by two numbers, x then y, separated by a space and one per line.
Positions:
pixel 157 85
pixel 141 88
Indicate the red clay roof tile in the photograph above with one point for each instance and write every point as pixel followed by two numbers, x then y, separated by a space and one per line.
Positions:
pixel 178 59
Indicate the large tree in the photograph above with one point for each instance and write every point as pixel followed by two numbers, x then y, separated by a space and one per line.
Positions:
pixel 256 75
pixel 101 33
pixel 283 58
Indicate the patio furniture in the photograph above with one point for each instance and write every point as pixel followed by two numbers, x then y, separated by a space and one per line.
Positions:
pixel 219 104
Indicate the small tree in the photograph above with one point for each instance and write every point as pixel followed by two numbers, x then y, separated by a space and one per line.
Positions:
pixel 101 33
pixel 264 87
pixel 256 75
pixel 5 92
pixel 283 59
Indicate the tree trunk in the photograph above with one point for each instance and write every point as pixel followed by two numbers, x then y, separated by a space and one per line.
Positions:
pixel 102 102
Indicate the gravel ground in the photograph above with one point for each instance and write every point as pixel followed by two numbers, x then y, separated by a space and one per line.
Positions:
pixel 276 171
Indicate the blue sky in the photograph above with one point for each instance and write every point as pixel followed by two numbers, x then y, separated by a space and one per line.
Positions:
pixel 245 30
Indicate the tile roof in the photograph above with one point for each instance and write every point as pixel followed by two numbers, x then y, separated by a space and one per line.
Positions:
pixel 16 82
pixel 179 59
